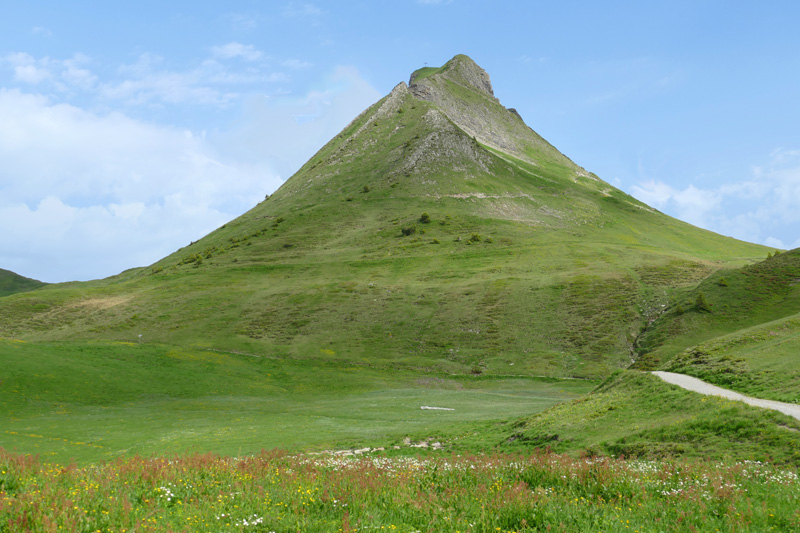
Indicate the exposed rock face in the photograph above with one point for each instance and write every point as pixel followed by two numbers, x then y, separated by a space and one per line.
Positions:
pixel 463 91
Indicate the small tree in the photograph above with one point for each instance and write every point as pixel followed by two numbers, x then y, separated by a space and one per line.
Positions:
pixel 700 303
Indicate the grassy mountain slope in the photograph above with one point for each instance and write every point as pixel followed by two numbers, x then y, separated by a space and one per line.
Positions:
pixel 742 334
pixel 436 231
pixel 637 415
pixel 11 283
pixel 731 300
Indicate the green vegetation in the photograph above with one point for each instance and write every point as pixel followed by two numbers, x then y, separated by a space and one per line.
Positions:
pixel 276 492
pixel 324 318
pixel 638 415
pixel 11 283
pixel 734 300
pixel 99 401
pixel 760 361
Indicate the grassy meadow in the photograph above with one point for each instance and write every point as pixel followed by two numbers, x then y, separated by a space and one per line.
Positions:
pixel 98 401
pixel 275 492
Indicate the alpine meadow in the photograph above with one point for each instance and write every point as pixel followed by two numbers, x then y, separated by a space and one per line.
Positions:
pixel 439 323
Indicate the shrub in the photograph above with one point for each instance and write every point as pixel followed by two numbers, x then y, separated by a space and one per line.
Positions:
pixel 365 189
pixel 425 218
pixel 722 282
pixel 700 303
pixel 475 238
pixel 408 230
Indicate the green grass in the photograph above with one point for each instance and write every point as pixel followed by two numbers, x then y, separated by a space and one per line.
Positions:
pixel 737 299
pixel 99 401
pixel 497 493
pixel 760 361
pixel 424 72
pixel 11 283
pixel 636 414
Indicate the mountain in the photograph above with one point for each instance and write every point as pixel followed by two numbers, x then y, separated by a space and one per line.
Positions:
pixel 436 231
pixel 11 283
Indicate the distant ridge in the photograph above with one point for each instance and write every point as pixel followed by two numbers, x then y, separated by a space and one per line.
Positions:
pixel 11 283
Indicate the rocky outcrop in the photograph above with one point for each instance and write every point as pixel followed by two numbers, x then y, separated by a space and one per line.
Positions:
pixel 463 91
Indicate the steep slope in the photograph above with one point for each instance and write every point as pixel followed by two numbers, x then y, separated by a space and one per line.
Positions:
pixel 726 302
pixel 11 283
pixel 436 231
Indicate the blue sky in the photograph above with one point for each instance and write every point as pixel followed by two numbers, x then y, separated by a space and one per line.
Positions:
pixel 128 130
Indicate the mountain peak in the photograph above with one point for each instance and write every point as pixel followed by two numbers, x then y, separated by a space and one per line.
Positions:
pixel 461 70
pixel 462 90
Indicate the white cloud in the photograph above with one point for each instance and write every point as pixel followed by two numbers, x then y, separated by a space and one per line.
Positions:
pixel 41 31
pixel 27 69
pixel 63 74
pixel 210 83
pixel 90 195
pixel 762 208
pixel 232 50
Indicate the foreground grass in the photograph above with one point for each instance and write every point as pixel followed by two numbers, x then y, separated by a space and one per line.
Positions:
pixel 278 492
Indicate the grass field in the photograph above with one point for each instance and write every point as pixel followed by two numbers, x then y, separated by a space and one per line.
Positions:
pixel 99 401
pixel 276 492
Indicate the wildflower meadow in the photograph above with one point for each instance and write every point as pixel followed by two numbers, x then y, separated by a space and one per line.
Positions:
pixel 278 492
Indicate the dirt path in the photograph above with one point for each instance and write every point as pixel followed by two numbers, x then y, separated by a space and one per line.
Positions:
pixel 698 385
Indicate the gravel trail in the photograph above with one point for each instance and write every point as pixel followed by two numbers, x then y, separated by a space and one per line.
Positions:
pixel 698 385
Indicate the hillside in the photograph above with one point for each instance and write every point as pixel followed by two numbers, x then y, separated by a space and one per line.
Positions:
pixel 436 231
pixel 742 334
pixel 11 283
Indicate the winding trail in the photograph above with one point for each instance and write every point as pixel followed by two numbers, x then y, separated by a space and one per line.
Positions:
pixel 698 385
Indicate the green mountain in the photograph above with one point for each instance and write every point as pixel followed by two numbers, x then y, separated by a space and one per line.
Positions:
pixel 436 231
pixel 11 283
pixel 436 252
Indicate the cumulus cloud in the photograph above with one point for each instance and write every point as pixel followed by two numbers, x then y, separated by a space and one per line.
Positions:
pixel 90 195
pixel 761 208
